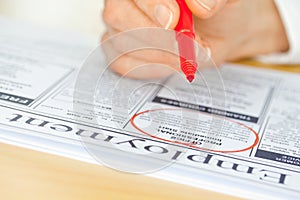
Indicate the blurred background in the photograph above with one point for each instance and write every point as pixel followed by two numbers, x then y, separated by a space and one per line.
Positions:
pixel 74 15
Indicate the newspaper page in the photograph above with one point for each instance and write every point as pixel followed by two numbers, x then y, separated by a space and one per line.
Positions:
pixel 240 137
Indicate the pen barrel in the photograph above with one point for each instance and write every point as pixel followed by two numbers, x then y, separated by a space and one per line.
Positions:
pixel 187 54
pixel 185 35
pixel 186 46
pixel 186 21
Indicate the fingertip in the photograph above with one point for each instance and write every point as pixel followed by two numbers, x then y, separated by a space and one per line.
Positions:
pixel 173 6
pixel 165 13
pixel 205 8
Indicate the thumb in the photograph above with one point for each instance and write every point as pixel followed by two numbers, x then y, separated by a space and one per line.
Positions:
pixel 205 8
pixel 165 13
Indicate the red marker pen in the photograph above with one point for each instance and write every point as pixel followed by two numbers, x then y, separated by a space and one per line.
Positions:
pixel 185 35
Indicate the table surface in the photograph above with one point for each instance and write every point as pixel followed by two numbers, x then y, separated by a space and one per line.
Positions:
pixel 28 174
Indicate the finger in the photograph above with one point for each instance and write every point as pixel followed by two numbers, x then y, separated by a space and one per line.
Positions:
pixel 143 38
pixel 164 13
pixel 124 15
pixel 134 68
pixel 205 8
pixel 148 47
pixel 147 55
pixel 126 65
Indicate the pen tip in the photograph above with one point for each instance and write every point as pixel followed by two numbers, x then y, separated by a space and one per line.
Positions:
pixel 190 78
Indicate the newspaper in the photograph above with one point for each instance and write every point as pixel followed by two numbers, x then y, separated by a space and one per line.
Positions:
pixel 239 136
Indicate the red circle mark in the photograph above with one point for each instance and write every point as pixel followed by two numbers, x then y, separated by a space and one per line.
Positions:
pixel 188 144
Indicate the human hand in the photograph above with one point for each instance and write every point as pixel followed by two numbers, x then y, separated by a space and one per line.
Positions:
pixel 231 29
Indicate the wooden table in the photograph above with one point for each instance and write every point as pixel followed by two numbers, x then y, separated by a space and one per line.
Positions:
pixel 27 174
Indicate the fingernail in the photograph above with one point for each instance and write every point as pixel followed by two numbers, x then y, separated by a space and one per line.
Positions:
pixel 207 4
pixel 163 15
pixel 208 53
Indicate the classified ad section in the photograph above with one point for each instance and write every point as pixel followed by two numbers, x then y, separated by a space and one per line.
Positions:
pixel 223 111
pixel 108 103
pixel 16 83
pixel 280 139
pixel 34 61
pixel 260 118
pixel 237 93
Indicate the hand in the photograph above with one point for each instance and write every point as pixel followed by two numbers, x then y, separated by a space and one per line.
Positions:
pixel 231 29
